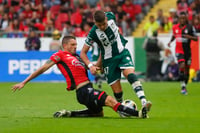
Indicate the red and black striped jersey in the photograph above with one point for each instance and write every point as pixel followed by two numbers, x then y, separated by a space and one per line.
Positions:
pixel 71 67
pixel 183 43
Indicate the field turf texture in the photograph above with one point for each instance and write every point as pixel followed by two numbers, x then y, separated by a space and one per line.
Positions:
pixel 30 110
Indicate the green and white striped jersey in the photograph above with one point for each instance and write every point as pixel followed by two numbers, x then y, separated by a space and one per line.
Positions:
pixel 110 41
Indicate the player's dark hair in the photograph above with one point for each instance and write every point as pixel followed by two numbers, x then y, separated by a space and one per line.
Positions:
pixel 99 16
pixel 66 39
pixel 185 14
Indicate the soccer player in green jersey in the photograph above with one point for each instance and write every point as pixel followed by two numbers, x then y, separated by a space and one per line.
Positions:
pixel 115 57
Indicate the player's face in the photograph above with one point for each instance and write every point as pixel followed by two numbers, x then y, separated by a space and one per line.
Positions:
pixel 102 25
pixel 71 46
pixel 182 19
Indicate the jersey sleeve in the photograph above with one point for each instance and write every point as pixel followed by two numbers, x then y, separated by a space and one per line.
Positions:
pixel 194 31
pixel 89 39
pixel 56 57
pixel 110 15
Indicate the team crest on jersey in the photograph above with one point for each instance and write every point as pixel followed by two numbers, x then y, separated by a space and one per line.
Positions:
pixel 57 58
pixel 176 31
pixel 186 31
pixel 96 92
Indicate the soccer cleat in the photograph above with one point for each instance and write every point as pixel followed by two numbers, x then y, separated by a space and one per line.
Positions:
pixel 143 113
pixel 184 91
pixel 62 113
pixel 147 105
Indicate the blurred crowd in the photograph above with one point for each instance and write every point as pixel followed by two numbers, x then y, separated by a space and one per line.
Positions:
pixel 163 23
pixel 74 17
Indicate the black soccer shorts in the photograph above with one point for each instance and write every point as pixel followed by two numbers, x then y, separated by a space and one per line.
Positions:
pixel 93 99
pixel 184 58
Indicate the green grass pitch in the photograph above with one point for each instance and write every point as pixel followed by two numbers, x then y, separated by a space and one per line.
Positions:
pixel 30 110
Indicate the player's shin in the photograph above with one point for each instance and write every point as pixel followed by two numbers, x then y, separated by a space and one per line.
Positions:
pixel 85 113
pixel 182 77
pixel 187 74
pixel 137 87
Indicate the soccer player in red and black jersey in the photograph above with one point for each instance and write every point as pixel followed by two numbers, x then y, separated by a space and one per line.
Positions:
pixel 75 72
pixel 183 33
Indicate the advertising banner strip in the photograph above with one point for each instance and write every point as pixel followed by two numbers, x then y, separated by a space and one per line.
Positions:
pixel 16 66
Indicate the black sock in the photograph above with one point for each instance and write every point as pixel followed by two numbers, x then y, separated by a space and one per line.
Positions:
pixel 118 96
pixel 85 113
pixel 125 110
pixel 80 113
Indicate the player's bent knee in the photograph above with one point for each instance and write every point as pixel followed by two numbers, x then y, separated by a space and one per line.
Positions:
pixel 110 101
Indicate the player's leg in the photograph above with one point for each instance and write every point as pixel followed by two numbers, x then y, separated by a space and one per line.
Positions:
pixel 118 107
pixel 126 64
pixel 187 73
pixel 137 87
pixel 85 96
pixel 187 67
pixel 97 99
pixel 181 63
pixel 77 113
pixel 117 90
pixel 113 76
pixel 104 100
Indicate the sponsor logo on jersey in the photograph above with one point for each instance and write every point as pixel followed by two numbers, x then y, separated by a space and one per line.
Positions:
pixel 181 39
pixel 76 62
pixel 112 25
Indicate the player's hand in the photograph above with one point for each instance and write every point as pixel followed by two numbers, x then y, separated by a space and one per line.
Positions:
pixel 17 87
pixel 169 44
pixel 94 69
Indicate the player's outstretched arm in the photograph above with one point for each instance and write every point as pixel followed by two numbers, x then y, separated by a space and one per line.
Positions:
pixel 83 55
pixel 172 39
pixel 194 38
pixel 39 71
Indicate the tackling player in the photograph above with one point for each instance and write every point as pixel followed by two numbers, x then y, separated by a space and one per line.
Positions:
pixel 75 73
pixel 183 33
pixel 115 57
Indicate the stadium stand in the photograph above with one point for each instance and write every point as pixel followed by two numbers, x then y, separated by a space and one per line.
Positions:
pixel 47 16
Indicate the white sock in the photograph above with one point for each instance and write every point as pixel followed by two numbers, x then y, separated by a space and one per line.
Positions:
pixel 183 84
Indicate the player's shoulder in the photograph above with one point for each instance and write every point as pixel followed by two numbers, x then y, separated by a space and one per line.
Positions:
pixel 110 15
pixel 57 56
pixel 92 31
pixel 190 26
pixel 58 53
pixel 175 26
